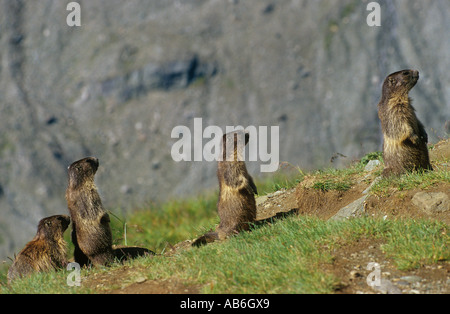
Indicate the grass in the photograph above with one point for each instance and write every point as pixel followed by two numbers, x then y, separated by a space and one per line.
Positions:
pixel 413 244
pixel 371 156
pixel 344 179
pixel 286 256
pixel 167 223
pixel 341 179
pixel 283 257
pixel 278 183
pixel 410 180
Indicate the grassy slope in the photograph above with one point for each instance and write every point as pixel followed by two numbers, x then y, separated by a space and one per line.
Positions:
pixel 282 257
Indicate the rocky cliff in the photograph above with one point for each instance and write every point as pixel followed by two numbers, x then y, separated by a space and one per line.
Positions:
pixel 116 86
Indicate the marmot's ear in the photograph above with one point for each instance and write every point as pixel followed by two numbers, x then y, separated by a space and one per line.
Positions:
pixel 392 81
pixel 224 141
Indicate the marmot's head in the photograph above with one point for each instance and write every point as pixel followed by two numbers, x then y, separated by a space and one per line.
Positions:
pixel 82 170
pixel 233 145
pixel 400 83
pixel 52 228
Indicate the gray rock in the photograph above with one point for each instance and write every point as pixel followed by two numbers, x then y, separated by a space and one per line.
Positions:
pixel 371 165
pixel 432 202
pixel 387 287
pixel 366 191
pixel 411 279
pixel 354 209
pixel 140 280
pixel 261 199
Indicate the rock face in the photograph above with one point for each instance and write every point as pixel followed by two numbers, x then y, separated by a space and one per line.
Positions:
pixel 115 88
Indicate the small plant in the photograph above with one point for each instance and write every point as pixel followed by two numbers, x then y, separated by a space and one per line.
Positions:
pixel 124 227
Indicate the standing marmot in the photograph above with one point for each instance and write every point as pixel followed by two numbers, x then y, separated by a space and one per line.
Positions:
pixel 91 233
pixel 405 139
pixel 236 206
pixel 45 252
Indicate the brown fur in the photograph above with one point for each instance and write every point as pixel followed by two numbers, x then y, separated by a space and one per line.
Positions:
pixel 404 136
pixel 45 252
pixel 91 233
pixel 236 206
pixel 124 253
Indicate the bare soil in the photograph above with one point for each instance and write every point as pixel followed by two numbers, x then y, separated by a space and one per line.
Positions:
pixel 128 280
pixel 351 263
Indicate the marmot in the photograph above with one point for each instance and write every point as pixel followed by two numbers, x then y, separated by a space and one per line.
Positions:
pixel 404 136
pixel 91 233
pixel 45 252
pixel 236 205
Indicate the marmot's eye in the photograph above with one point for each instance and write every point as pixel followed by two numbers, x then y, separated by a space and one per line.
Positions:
pixel 405 73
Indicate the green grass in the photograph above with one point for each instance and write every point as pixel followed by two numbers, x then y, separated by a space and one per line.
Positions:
pixel 169 223
pixel 371 156
pixel 278 182
pixel 413 244
pixel 286 256
pixel 341 179
pixel 160 225
pixel 283 257
pixel 411 180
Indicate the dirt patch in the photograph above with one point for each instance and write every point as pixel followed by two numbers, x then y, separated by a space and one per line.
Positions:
pixel 170 286
pixel 441 152
pixel 325 204
pixel 400 205
pixel 312 201
pixel 129 280
pixel 354 263
pixel 276 204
